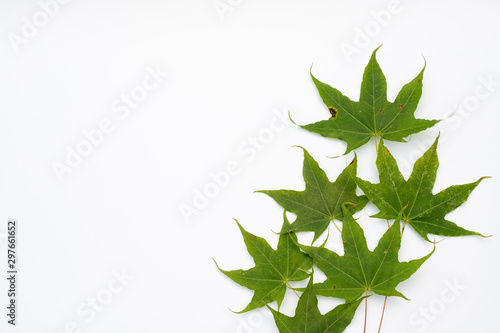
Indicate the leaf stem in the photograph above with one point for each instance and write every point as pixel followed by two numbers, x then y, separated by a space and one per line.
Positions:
pixel 382 318
pixel 403 230
pixel 336 226
pixel 289 286
pixel 366 310
pixel 385 300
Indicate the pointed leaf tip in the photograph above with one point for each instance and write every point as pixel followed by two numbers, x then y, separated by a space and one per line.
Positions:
pixel 290 117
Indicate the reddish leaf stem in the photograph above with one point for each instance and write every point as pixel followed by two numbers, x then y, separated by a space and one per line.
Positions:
pixel 289 286
pixel 403 230
pixel 382 318
pixel 385 300
pixel 366 310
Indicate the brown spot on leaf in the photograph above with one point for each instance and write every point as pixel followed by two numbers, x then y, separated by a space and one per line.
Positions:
pixel 419 80
pixel 335 287
pixel 387 151
pixel 333 111
pixel 381 111
pixel 401 107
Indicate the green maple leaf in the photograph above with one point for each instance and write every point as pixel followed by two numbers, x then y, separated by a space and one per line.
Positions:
pixel 373 116
pixel 308 318
pixel 426 211
pixel 321 201
pixel 273 268
pixel 359 270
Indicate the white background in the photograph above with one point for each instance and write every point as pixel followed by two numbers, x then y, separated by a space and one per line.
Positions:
pixel 228 73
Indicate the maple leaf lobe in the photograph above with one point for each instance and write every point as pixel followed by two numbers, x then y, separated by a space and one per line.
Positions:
pixel 309 319
pixel 360 270
pixel 426 211
pixel 321 201
pixel 273 268
pixel 373 116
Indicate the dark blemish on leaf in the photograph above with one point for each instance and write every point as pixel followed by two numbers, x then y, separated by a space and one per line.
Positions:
pixel 333 111
pixel 419 80
pixel 401 107
pixel 335 287
pixel 381 111
pixel 387 151
pixel 253 235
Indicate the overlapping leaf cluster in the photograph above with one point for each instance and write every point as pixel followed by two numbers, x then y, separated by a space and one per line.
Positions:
pixel 359 272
